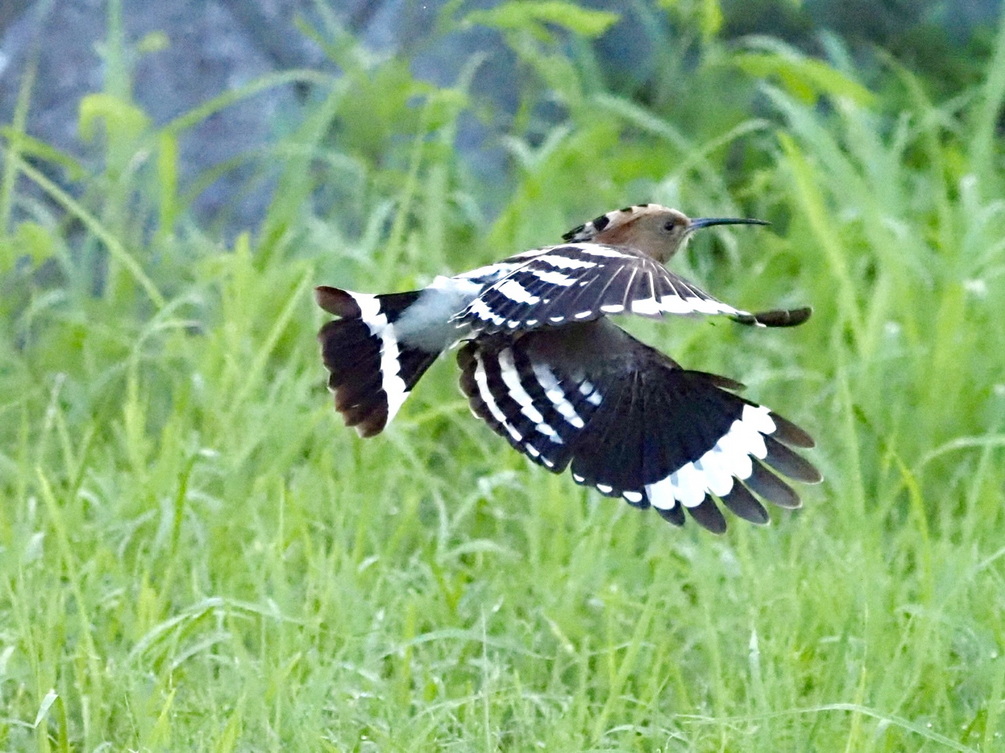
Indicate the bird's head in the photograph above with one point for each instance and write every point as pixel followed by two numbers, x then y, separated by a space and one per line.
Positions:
pixel 653 229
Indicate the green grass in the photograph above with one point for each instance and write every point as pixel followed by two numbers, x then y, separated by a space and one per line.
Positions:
pixel 196 555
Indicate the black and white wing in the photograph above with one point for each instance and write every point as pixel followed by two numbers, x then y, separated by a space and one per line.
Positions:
pixel 633 424
pixel 580 282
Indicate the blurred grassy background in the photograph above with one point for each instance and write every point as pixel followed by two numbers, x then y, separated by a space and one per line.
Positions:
pixel 196 555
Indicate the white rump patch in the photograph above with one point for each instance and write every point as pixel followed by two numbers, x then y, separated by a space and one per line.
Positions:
pixel 431 322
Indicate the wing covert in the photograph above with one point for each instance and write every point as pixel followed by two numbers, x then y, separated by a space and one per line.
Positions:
pixel 580 282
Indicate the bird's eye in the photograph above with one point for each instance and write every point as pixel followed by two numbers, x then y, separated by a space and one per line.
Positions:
pixel 669 225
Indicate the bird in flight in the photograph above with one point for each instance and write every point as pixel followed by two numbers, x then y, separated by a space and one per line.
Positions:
pixel 547 369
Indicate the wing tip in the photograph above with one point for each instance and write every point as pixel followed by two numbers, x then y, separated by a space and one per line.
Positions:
pixel 775 317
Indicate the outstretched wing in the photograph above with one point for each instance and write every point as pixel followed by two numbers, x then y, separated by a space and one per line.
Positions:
pixel 632 423
pixel 581 282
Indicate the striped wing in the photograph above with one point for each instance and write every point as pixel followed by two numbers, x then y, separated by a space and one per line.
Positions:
pixel 633 424
pixel 585 281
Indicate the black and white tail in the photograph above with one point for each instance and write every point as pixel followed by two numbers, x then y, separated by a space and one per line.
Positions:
pixel 372 369
pixel 633 424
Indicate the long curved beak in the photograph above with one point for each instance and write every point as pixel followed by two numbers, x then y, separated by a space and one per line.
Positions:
pixel 700 222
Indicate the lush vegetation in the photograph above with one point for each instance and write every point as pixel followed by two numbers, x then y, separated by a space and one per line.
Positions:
pixel 196 555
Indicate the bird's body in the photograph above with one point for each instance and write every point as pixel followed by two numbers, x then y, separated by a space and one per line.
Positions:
pixel 547 370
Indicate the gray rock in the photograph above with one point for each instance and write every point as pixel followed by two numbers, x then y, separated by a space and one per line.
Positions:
pixel 218 45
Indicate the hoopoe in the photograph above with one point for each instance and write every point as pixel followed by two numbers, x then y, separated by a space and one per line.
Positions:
pixel 546 369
